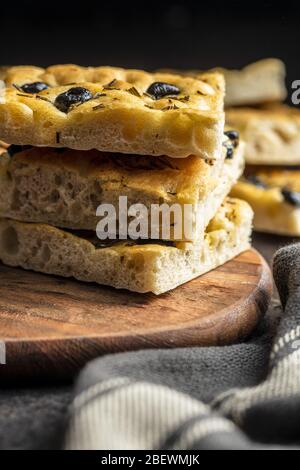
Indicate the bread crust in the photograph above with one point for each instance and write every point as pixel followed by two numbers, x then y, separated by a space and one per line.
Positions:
pixel 121 117
pixel 273 212
pixel 65 188
pixel 142 268
pixel 257 83
pixel 271 133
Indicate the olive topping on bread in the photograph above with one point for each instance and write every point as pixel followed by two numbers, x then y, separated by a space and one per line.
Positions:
pixel 75 95
pixel 256 181
pixel 231 143
pixel 229 151
pixel 159 90
pixel 292 197
pixel 109 109
pixel 33 88
pixel 233 136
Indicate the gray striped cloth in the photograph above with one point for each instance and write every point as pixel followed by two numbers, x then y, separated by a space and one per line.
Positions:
pixel 244 396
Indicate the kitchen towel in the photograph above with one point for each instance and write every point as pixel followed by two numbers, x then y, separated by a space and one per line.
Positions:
pixel 243 396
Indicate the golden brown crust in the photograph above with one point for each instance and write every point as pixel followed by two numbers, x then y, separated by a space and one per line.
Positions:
pixel 271 133
pixel 64 187
pixel 270 194
pixel 278 111
pixel 121 117
pixel 276 177
pixel 152 267
pixel 257 83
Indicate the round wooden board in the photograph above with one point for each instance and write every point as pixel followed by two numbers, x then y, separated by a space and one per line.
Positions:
pixel 52 326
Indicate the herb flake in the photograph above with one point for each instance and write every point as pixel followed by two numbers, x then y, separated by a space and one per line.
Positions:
pixel 43 98
pixel 170 107
pixel 134 92
pixel 98 106
pixel 111 85
pixel 24 96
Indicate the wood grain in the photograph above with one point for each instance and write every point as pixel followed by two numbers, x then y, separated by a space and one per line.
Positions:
pixel 52 326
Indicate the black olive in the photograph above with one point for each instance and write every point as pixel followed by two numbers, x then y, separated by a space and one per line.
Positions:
pixel 253 179
pixel 159 89
pixel 232 135
pixel 229 152
pixel 13 149
pixel 292 197
pixel 74 95
pixel 35 87
pixel 229 149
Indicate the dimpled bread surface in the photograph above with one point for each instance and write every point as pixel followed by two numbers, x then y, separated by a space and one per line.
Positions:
pixel 121 116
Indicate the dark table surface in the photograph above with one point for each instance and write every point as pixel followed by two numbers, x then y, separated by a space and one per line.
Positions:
pixel 268 244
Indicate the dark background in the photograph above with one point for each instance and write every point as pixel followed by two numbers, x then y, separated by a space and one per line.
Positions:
pixel 150 34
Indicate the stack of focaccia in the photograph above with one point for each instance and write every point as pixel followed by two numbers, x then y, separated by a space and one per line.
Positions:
pixel 271 130
pixel 82 137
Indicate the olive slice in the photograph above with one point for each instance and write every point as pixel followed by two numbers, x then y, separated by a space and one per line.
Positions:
pixel 232 135
pixel 75 95
pixel 229 152
pixel 158 90
pixel 35 87
pixel 292 197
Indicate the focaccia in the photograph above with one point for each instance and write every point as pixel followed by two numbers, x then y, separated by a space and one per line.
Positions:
pixel 149 267
pixel 113 109
pixel 257 83
pixel 271 133
pixel 64 187
pixel 274 195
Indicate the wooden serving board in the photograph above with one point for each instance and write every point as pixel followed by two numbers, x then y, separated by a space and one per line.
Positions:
pixel 52 326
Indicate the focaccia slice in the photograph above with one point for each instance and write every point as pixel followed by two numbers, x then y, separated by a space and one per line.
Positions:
pixel 271 133
pixel 274 195
pixel 113 109
pixel 148 267
pixel 256 84
pixel 65 187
